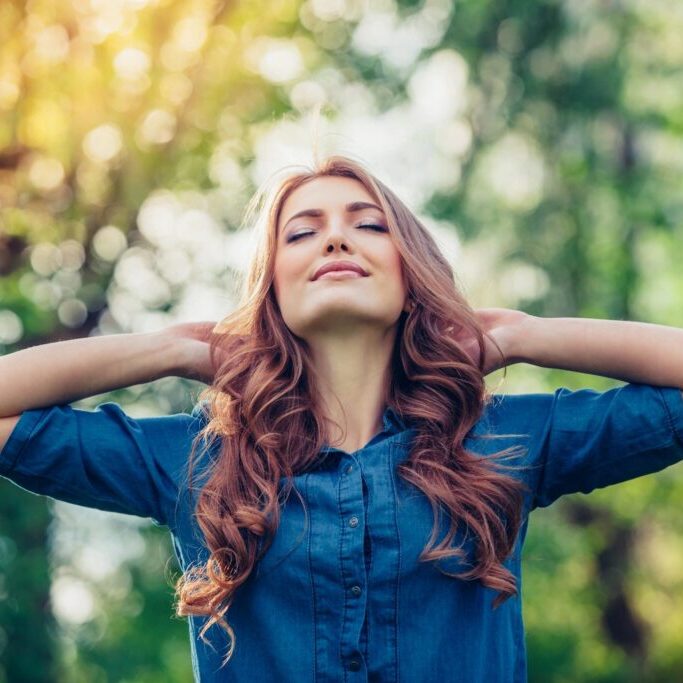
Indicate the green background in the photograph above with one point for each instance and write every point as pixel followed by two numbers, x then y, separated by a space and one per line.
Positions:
pixel 541 141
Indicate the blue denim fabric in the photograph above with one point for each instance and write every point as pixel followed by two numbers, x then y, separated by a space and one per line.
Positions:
pixel 341 594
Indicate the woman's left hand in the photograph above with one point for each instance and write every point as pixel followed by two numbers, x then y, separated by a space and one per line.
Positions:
pixel 502 325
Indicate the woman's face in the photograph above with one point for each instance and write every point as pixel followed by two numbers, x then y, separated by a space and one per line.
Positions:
pixel 336 232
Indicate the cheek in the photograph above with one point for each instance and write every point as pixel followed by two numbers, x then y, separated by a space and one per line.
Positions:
pixel 277 278
pixel 284 275
pixel 396 265
pixel 294 264
pixel 282 272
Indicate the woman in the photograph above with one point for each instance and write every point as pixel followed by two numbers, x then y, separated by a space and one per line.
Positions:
pixel 352 374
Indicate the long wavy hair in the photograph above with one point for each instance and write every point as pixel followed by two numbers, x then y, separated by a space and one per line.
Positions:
pixel 264 408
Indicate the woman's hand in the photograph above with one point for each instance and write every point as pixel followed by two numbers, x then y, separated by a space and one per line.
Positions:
pixel 194 337
pixel 502 325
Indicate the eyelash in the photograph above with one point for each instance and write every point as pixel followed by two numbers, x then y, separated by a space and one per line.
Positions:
pixel 295 237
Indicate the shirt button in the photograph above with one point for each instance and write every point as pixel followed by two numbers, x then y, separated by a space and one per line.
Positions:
pixel 353 521
pixel 349 469
pixel 354 665
pixel 356 590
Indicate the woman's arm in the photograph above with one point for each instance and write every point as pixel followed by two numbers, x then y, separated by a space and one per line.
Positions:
pixel 645 353
pixel 66 371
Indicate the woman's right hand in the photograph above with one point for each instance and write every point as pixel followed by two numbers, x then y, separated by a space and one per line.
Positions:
pixel 195 338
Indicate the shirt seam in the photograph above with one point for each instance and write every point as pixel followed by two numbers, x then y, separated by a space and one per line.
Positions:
pixel 310 579
pixel 390 468
pixel 545 448
pixel 341 574
pixel 166 509
pixel 672 422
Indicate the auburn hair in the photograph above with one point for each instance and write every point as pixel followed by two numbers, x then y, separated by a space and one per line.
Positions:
pixel 263 408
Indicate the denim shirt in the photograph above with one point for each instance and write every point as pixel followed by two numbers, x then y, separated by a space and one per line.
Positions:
pixel 341 594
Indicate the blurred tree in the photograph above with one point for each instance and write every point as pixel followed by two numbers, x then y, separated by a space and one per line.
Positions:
pixel 544 136
pixel 27 627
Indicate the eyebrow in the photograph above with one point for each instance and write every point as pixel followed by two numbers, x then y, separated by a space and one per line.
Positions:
pixel 316 213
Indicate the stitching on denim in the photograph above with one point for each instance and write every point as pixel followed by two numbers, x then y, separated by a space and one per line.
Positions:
pixel 672 424
pixel 312 582
pixel 341 573
pixel 390 467
pixel 24 435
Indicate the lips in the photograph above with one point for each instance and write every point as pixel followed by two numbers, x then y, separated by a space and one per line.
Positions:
pixel 339 265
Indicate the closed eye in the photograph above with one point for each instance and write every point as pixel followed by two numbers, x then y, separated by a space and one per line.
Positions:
pixel 372 226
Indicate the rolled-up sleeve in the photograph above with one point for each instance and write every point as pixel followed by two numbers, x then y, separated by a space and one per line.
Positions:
pixel 102 458
pixel 591 439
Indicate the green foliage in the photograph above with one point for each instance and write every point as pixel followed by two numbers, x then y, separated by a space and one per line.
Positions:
pixel 565 197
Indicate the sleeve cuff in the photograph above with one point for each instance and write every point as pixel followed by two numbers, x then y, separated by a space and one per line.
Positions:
pixel 9 455
pixel 673 400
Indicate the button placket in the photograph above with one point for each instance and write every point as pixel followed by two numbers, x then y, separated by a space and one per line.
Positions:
pixel 351 509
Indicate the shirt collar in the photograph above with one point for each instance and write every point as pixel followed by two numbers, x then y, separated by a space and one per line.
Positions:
pixel 392 423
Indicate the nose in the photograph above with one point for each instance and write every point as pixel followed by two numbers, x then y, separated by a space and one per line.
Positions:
pixel 336 239
pixel 334 245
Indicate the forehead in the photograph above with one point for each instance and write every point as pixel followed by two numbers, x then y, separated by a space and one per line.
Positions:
pixel 328 193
